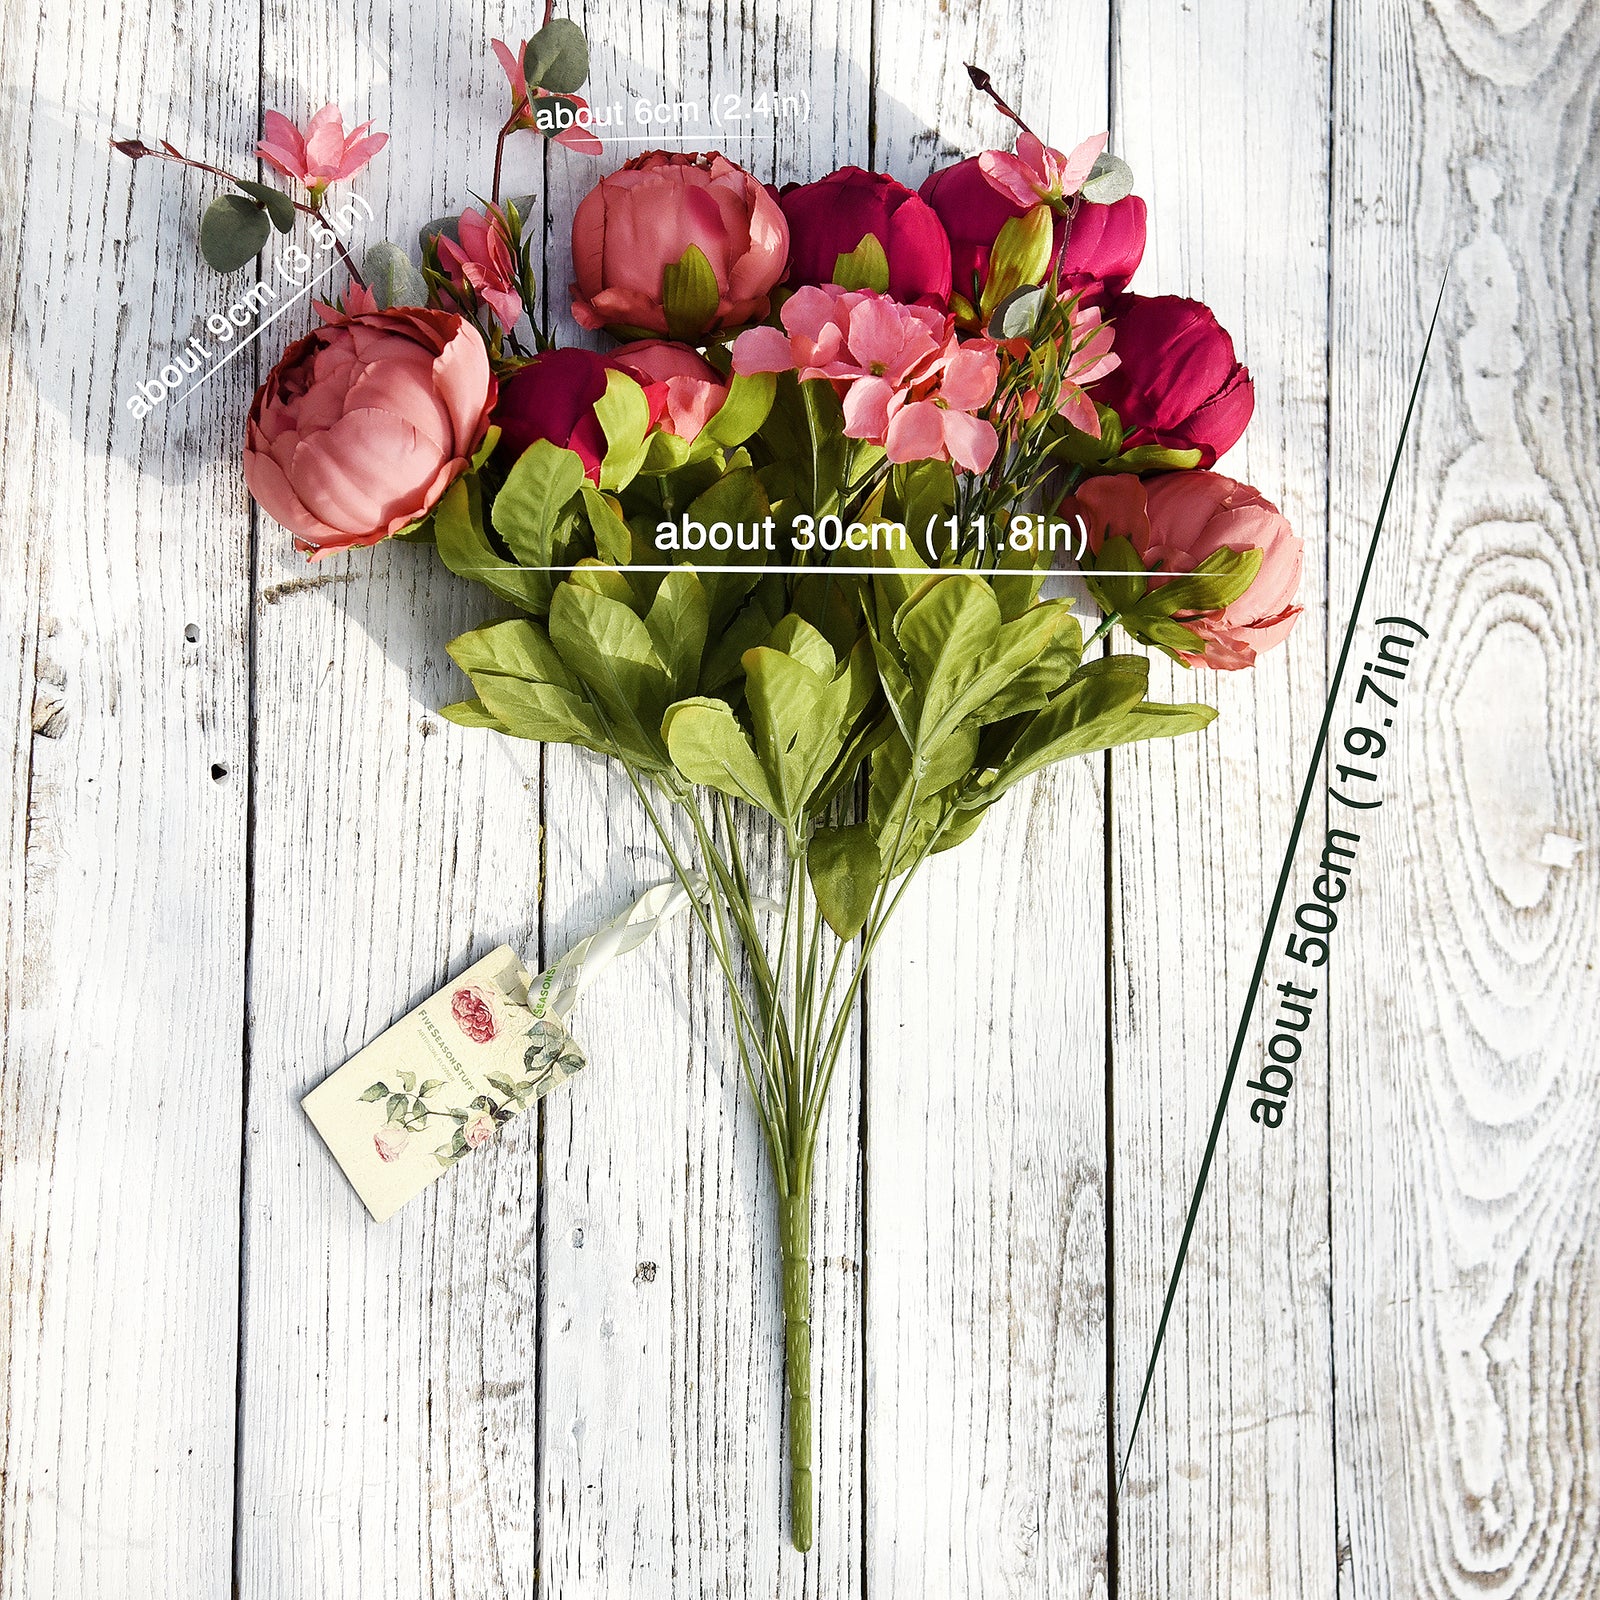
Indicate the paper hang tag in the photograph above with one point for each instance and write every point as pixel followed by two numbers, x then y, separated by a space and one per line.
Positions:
pixel 445 1078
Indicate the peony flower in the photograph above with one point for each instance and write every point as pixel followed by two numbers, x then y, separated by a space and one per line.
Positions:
pixel 1179 385
pixel 578 137
pixel 483 264
pixel 831 217
pixel 906 380
pixel 647 216
pixel 389 1142
pixel 479 1131
pixel 324 154
pixel 473 1013
pixel 553 397
pixel 363 425
pixel 1096 250
pixel 695 389
pixel 1177 519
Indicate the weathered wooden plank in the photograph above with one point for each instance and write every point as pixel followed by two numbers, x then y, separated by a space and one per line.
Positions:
pixel 1225 120
pixel 662 1459
pixel 985 1207
pixel 123 598
pixel 1466 1107
pixel 388 1393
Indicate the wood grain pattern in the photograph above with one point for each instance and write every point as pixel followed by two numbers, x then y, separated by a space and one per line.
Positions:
pixel 985 1205
pixel 389 1379
pixel 1224 117
pixel 1466 1110
pixel 124 827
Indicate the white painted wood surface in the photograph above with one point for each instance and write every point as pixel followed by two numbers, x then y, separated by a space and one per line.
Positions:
pixel 232 858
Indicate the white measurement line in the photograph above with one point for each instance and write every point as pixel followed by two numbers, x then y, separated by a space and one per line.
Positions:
pixel 817 572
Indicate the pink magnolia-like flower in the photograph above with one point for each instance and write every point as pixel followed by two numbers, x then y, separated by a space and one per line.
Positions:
pixel 1090 358
pixel 389 1142
pixel 644 218
pixel 695 389
pixel 1037 172
pixel 324 154
pixel 483 263
pixel 906 380
pixel 578 137
pixel 478 1132
pixel 473 1013
pixel 1177 519
pixel 363 425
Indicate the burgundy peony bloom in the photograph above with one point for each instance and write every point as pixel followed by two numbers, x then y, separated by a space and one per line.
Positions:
pixel 1098 254
pixel 363 425
pixel 831 217
pixel 1179 385
pixel 1174 521
pixel 553 397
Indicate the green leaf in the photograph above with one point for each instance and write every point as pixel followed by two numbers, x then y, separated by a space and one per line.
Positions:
pixel 708 746
pixel 1109 180
pixel 748 405
pixel 797 719
pixel 525 686
pixel 408 1082
pixel 376 1092
pixel 503 1085
pixel 605 644
pixel 865 267
pixel 536 500
pixel 846 869
pixel 232 232
pixel 624 417
pixel 1020 255
pixel 677 623
pixel 472 714
pixel 613 539
pixel 430 1086
pixel 689 294
pixel 557 58
pixel 1017 316
pixel 394 281
pixel 397 1107
pixel 464 548
pixel 278 206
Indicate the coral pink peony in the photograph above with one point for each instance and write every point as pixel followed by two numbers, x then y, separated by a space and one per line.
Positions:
pixel 646 217
pixel 524 106
pixel 1174 521
pixel 1179 385
pixel 553 397
pixel 363 424
pixel 906 381
pixel 831 217
pixel 482 263
pixel 324 154
pixel 695 389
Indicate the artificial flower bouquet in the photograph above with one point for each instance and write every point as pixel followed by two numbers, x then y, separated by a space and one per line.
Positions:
pixel 784 544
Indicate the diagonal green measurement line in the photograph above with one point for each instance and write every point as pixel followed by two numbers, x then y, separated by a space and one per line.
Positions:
pixel 1254 990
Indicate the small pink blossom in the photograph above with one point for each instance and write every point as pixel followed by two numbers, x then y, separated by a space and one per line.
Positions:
pixel 483 263
pixel 1037 172
pixel 389 1142
pixel 577 137
pixel 324 154
pixel 905 379
pixel 478 1132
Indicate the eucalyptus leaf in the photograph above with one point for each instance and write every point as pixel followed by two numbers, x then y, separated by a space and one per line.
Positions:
pixel 278 206
pixel 1109 180
pixel 557 58
pixel 233 231
pixel 393 279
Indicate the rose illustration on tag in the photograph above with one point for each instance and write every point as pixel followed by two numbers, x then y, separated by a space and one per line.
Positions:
pixel 474 1015
pixel 389 1142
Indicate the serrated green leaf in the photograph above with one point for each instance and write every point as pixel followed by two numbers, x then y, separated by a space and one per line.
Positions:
pixel 464 548
pixel 709 746
pixel 677 623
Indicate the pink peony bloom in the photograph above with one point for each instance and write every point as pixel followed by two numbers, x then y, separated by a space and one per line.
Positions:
pixel 1179 384
pixel 324 154
pixel 577 137
pixel 483 264
pixel 479 1131
pixel 1177 519
pixel 1036 172
pixel 553 397
pixel 695 389
pixel 906 381
pixel 389 1142
pixel 363 425
pixel 829 218
pixel 642 219
pixel 1096 253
